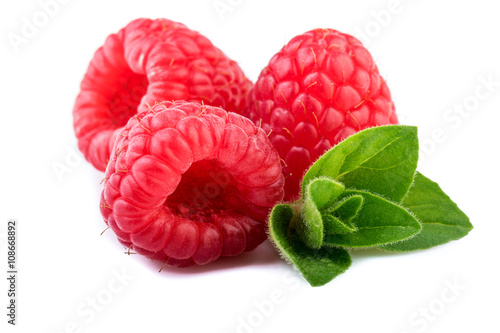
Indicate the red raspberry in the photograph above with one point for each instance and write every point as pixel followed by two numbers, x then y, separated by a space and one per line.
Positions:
pixel 188 183
pixel 145 62
pixel 320 88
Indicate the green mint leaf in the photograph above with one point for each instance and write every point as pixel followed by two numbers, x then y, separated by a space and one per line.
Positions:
pixel 381 160
pixel 334 225
pixel 442 220
pixel 347 208
pixel 310 225
pixel 318 193
pixel 279 221
pixel 379 221
pixel 323 191
pixel 318 266
pixel 339 221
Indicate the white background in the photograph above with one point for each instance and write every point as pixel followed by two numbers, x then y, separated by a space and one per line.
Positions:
pixel 435 57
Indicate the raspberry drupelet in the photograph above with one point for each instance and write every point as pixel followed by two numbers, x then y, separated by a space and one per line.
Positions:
pixel 149 61
pixel 188 183
pixel 317 90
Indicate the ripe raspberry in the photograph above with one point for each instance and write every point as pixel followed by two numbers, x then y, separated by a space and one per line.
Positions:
pixel 188 183
pixel 320 88
pixel 145 62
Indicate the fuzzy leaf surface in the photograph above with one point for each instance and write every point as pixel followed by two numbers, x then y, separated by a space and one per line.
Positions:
pixel 318 266
pixel 381 160
pixel 442 220
pixel 379 221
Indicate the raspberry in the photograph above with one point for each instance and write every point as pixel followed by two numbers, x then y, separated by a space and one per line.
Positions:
pixel 317 90
pixel 145 62
pixel 188 183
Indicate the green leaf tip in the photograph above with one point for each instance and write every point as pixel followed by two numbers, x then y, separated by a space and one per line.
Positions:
pixel 347 208
pixel 442 220
pixel 337 219
pixel 323 191
pixel 333 225
pixel 378 222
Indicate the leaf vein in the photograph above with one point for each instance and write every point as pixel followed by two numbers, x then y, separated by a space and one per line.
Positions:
pixel 445 224
pixel 387 226
pixel 420 206
pixel 368 158
pixel 345 156
pixel 380 169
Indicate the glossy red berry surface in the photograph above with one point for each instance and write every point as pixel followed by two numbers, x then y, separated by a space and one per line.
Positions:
pixel 188 183
pixel 150 61
pixel 318 89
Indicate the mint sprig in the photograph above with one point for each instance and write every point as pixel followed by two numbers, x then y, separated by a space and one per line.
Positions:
pixel 364 192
